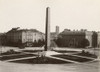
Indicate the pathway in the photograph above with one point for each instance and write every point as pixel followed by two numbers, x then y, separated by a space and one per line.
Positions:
pixel 20 58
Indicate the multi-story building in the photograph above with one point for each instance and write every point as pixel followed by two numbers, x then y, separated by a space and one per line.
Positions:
pixel 98 39
pixel 28 36
pixel 94 39
pixel 71 38
pixel 2 39
pixel 78 38
pixel 54 35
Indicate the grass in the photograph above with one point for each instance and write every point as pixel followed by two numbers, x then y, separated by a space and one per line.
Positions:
pixel 32 51
pixel 10 53
pixel 87 55
pixel 40 60
pixel 16 56
pixel 74 58
pixel 65 51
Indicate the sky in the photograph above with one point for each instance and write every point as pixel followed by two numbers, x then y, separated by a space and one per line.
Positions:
pixel 70 14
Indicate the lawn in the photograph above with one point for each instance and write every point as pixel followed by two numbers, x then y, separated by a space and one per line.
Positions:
pixel 65 51
pixel 40 60
pixel 32 51
pixel 74 58
pixel 10 53
pixel 87 55
pixel 16 56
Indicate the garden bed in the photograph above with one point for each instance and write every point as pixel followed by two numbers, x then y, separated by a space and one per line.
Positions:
pixel 74 58
pixel 32 51
pixel 87 55
pixel 16 56
pixel 65 51
pixel 10 53
pixel 39 60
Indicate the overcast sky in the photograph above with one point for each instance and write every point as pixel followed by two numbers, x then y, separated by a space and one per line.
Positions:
pixel 71 14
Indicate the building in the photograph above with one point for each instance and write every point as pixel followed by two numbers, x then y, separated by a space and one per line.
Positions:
pixel 2 39
pixel 22 36
pixel 98 39
pixel 71 38
pixel 54 35
pixel 75 38
pixel 94 39
pixel 89 36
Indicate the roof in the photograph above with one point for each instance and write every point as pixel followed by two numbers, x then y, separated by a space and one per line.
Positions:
pixel 24 30
pixel 72 33
pixel 2 34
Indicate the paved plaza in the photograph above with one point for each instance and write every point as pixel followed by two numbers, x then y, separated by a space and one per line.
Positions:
pixel 14 67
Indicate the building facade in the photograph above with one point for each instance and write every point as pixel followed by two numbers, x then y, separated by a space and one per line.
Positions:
pixel 22 36
pixel 98 39
pixel 70 38
pixel 2 39
pixel 54 35
pixel 75 38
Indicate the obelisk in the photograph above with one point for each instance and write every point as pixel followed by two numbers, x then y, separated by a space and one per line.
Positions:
pixel 47 30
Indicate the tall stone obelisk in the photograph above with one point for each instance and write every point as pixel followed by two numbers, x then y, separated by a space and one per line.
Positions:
pixel 47 30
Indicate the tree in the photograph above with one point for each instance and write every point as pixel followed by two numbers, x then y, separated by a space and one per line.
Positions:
pixel 39 42
pixel 35 43
pixel 84 43
pixel 59 42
